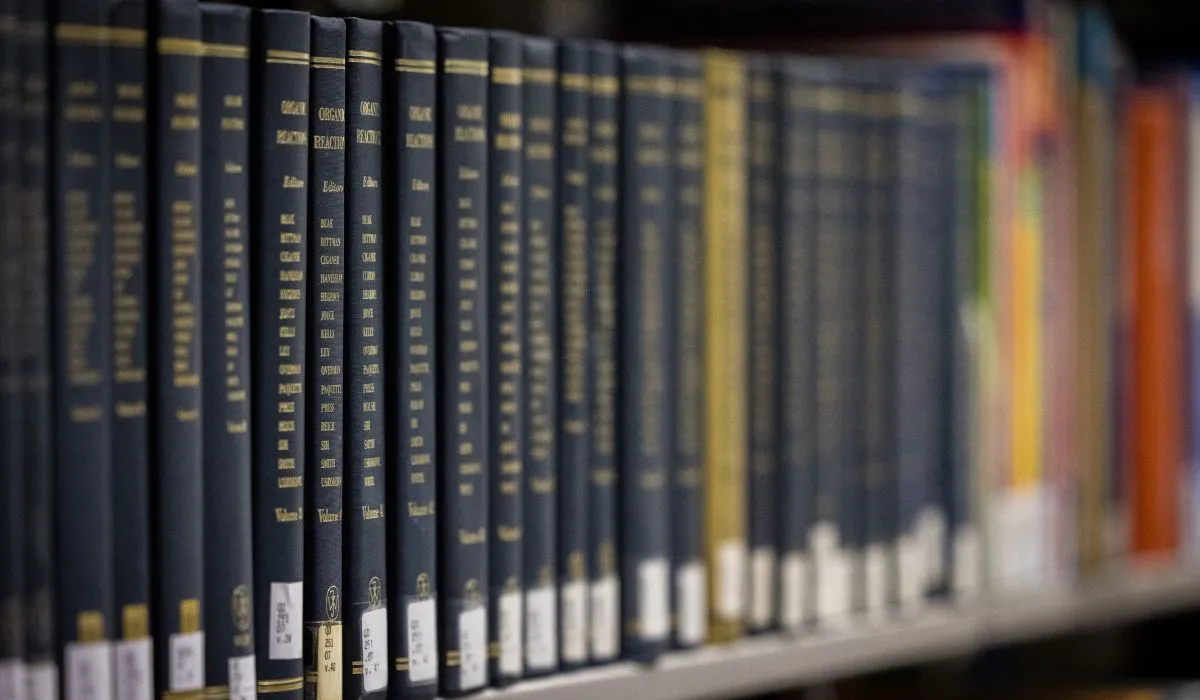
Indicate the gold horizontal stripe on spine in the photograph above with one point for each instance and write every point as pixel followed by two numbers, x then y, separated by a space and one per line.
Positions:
pixel 368 61
pixel 283 685
pixel 465 63
pixel 98 34
pixel 330 60
pixel 650 85
pixel 574 81
pixel 605 84
pixel 466 71
pixel 691 88
pixel 540 76
pixel 504 75
pixel 226 51
pixel 413 69
pixel 365 54
pixel 173 46
pixel 416 62
pixel 322 66
pixel 216 692
pixel 401 664
pixel 288 62
pixel 356 671
pixel 294 55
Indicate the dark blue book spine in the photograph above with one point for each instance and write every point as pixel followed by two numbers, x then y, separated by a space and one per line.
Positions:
pixel 41 670
pixel 505 355
pixel 12 394
pixel 828 538
pixel 764 203
pixel 573 409
pixel 324 670
pixel 917 364
pixel 365 550
pixel 225 363
pixel 603 622
pixel 879 463
pixel 129 164
pixel 797 338
pixel 685 378
pixel 642 298
pixel 539 333
pixel 463 375
pixel 176 322
pixel 279 254
pixel 81 324
pixel 412 405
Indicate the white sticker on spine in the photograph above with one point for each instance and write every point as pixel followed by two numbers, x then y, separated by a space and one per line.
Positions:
pixel 43 681
pixel 731 599
pixel 762 586
pixel 422 641
pixel 654 620
pixel 12 679
pixel 185 656
pixel 575 624
pixel 691 603
pixel 876 580
pixel 286 619
pixel 911 569
pixel 511 633
pixel 472 648
pixel 606 618
pixel 242 678
pixel 793 580
pixel 135 669
pixel 88 671
pixel 541 626
pixel 375 650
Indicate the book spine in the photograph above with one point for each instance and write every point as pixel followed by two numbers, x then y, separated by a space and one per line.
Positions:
pixel 763 313
pixel 539 333
pixel 225 350
pixel 573 407
pixel 685 320
pixel 797 346
pixel 175 395
pixel 879 346
pixel 326 346
pixel 412 406
pixel 41 669
pixel 505 355
pixel 365 547
pixel 463 378
pixel 603 621
pixel 81 313
pixel 12 392
pixel 834 264
pixel 131 438
pixel 726 366
pixel 279 255
pixel 645 548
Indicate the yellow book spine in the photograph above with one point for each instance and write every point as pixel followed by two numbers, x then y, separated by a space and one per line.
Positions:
pixel 726 337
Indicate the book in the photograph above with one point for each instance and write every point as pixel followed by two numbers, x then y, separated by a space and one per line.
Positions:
pixel 763 211
pixel 603 621
pixel 12 381
pixel 506 353
pixel 129 165
pixel 797 331
pixel 412 401
pixel 726 367
pixel 81 304
pixel 41 671
pixel 364 546
pixel 574 443
pixel 685 327
pixel 540 338
pixel 644 450
pixel 225 363
pixel 463 379
pixel 279 332
pixel 325 382
pixel 176 313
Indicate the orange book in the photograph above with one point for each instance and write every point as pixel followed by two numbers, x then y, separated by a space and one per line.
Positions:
pixel 1157 417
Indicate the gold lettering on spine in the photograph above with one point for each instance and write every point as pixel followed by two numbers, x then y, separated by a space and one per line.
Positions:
pixel 129 251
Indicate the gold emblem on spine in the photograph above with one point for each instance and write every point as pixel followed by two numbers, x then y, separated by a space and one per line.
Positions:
pixel 424 590
pixel 473 595
pixel 239 607
pixel 374 591
pixel 331 604
pixel 189 616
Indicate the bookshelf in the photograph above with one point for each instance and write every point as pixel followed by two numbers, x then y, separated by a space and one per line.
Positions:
pixel 772 663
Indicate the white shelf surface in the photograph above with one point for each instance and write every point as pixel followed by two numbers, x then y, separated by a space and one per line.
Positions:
pixel 775 662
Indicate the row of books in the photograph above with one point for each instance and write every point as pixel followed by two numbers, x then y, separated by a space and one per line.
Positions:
pixel 348 358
